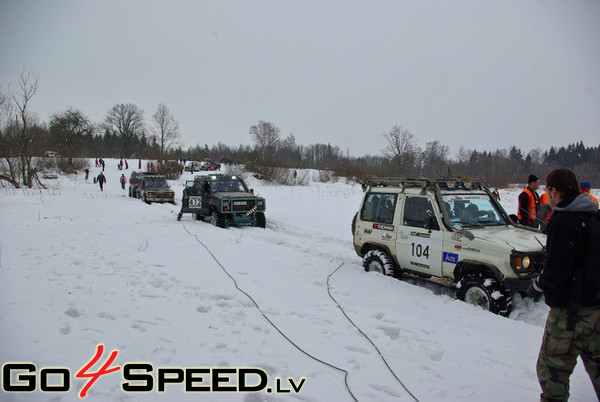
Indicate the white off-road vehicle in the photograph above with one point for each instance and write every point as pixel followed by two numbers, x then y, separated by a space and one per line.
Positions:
pixel 448 228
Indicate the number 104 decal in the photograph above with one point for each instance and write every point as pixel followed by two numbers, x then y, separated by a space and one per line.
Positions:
pixel 419 249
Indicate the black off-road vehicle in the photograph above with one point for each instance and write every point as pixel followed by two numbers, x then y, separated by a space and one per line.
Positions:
pixel 224 199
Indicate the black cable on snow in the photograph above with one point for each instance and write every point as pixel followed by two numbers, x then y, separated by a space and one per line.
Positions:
pixel 271 322
pixel 365 335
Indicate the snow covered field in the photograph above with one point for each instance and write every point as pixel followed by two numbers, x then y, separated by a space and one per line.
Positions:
pixel 80 267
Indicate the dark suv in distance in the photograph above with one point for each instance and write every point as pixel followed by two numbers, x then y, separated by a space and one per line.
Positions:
pixel 150 187
pixel 225 200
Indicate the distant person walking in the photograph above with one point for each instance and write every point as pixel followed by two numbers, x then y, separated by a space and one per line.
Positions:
pixel 123 181
pixel 496 194
pixel 87 174
pixel 101 179
pixel 529 203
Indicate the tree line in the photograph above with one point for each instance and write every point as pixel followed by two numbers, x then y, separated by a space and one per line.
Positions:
pixel 124 133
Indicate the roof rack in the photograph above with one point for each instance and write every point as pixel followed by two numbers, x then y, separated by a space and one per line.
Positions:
pixel 445 183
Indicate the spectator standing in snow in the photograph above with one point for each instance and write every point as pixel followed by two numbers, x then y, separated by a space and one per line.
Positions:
pixel 585 188
pixel 123 181
pixel 87 173
pixel 545 212
pixel 496 194
pixel 571 288
pixel 529 203
pixel 101 179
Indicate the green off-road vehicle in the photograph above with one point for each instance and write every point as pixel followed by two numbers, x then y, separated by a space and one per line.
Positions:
pixel 223 199
pixel 453 229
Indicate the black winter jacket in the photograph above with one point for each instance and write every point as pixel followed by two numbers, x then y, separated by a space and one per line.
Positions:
pixel 557 277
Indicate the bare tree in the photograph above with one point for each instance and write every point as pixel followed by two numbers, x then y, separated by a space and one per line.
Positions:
pixel 165 129
pixel 68 130
pixel 266 136
pixel 22 136
pixel 401 149
pixel 435 159
pixel 127 122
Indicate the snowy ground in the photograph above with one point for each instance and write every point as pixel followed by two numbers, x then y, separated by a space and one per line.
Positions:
pixel 80 267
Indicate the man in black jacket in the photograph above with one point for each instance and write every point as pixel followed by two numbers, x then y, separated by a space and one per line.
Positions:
pixel 570 286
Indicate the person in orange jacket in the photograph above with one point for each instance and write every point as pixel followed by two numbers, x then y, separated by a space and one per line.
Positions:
pixel 529 203
pixel 545 212
pixel 585 187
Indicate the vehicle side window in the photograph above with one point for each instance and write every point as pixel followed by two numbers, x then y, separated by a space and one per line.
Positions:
pixel 419 213
pixel 379 207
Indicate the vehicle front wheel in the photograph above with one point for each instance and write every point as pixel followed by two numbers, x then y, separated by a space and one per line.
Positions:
pixel 260 220
pixel 486 292
pixel 380 261
pixel 217 219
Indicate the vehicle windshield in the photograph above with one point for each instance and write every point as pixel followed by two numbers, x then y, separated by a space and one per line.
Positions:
pixel 472 210
pixel 156 182
pixel 228 186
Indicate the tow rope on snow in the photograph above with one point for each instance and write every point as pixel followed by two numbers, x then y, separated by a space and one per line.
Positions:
pixel 269 320
pixel 365 335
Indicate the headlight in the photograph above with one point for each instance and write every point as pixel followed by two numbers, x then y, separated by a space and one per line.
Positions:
pixel 226 205
pixel 521 262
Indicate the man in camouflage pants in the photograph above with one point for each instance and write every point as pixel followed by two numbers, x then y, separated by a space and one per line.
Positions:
pixel 570 288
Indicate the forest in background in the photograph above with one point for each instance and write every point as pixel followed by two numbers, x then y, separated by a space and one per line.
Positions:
pixel 124 133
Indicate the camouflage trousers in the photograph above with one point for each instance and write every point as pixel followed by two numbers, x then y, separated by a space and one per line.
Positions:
pixel 560 349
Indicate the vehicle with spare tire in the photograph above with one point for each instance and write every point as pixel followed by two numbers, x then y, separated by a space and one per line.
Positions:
pixel 224 200
pixel 453 229
pixel 153 187
pixel 135 180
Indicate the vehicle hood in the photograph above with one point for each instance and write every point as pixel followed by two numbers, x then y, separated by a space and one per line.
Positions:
pixel 511 237
pixel 233 195
pixel 161 189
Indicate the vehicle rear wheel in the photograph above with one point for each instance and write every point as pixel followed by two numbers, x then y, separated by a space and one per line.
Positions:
pixel 380 261
pixel 217 219
pixel 486 292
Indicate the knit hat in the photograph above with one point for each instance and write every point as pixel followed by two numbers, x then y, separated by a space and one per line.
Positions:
pixel 585 185
pixel 532 177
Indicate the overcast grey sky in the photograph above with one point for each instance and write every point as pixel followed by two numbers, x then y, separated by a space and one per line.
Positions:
pixel 483 74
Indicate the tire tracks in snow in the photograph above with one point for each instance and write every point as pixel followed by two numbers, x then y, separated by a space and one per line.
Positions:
pixel 352 336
